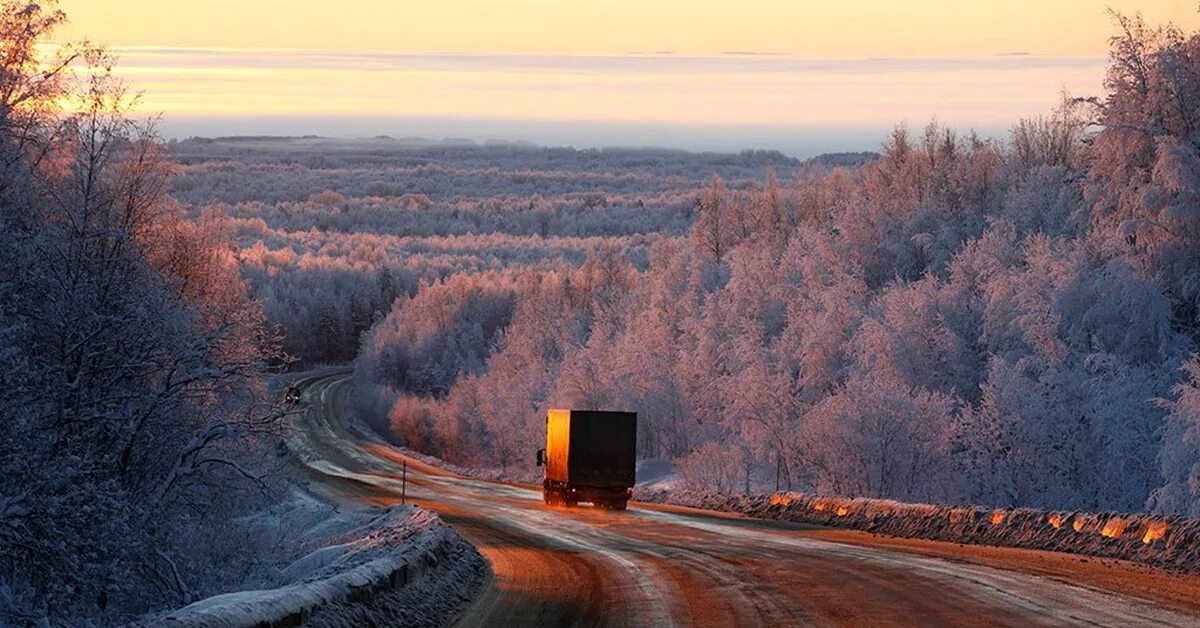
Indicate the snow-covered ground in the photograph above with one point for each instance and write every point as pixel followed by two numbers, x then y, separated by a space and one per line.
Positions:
pixel 412 568
pixel 657 474
pixel 515 476
pixel 346 564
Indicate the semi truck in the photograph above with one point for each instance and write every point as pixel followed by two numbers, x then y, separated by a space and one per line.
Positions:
pixel 590 456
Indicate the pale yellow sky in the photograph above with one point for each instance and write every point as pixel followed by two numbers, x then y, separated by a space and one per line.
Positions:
pixel 813 28
pixel 568 71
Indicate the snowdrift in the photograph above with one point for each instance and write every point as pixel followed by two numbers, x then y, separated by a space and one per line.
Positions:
pixel 657 474
pixel 1168 542
pixel 413 569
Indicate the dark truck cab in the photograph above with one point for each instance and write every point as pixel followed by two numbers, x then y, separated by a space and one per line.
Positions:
pixel 590 456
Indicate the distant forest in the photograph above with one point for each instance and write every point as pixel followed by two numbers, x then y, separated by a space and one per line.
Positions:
pixel 331 232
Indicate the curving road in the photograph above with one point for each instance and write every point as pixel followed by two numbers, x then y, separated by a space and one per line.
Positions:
pixel 654 565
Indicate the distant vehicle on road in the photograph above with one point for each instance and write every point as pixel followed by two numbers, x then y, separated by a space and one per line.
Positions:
pixel 590 456
pixel 292 395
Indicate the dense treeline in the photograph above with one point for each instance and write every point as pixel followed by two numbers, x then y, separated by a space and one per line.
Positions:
pixel 273 170
pixel 332 231
pixel 960 320
pixel 132 361
pixel 416 215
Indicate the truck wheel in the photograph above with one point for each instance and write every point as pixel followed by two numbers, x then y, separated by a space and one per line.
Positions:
pixel 620 504
pixel 550 497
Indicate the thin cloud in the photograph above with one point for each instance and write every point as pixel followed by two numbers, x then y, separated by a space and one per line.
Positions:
pixel 733 61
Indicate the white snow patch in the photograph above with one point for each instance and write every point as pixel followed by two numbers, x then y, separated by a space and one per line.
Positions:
pixel 656 474
pixel 348 558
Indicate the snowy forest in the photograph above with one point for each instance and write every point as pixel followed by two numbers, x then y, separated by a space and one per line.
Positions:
pixel 1003 322
pixel 953 319
pixel 332 231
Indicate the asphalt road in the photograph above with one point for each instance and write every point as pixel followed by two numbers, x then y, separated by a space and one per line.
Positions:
pixel 653 565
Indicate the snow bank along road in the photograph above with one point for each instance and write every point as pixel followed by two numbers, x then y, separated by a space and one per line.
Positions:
pixel 655 565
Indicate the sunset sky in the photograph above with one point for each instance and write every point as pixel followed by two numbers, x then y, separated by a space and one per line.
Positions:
pixel 801 76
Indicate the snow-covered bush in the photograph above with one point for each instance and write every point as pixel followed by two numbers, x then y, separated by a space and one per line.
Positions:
pixel 1180 454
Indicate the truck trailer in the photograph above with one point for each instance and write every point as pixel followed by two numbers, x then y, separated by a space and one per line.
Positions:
pixel 590 456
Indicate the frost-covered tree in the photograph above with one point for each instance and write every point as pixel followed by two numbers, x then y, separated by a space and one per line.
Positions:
pixel 132 359
pixel 1180 456
pixel 714 229
pixel 1142 177
pixel 878 439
